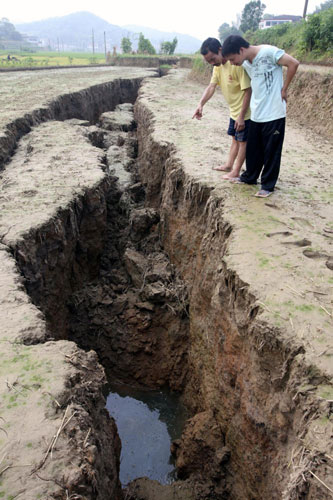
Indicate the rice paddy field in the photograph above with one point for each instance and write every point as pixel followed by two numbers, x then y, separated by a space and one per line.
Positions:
pixel 33 59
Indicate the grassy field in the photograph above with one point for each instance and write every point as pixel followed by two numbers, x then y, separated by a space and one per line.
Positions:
pixel 34 59
pixel 24 59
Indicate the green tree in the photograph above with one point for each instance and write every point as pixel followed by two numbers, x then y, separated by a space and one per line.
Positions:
pixel 145 46
pixel 324 6
pixel 169 47
pixel 251 15
pixel 126 45
pixel 225 30
pixel 312 37
pixel 318 34
pixel 8 31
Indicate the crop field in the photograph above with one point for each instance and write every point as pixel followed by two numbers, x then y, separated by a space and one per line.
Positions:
pixel 26 59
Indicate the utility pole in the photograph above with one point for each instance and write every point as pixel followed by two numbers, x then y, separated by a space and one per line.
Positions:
pixel 105 45
pixel 93 42
pixel 305 8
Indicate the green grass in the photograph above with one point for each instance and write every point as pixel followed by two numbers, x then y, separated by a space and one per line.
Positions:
pixel 27 59
pixel 152 56
pixel 44 59
pixel 291 307
pixel 326 392
pixel 305 308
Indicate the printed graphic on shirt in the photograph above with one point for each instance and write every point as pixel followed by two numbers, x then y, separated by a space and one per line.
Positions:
pixel 264 67
pixel 268 81
pixel 261 63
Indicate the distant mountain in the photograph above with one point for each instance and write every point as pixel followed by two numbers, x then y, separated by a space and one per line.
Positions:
pixel 75 32
pixel 78 31
pixel 186 44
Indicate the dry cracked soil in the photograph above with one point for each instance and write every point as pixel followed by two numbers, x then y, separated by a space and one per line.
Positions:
pixel 118 238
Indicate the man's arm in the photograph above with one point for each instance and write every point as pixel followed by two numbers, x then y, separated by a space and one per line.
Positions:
pixel 205 97
pixel 240 122
pixel 292 65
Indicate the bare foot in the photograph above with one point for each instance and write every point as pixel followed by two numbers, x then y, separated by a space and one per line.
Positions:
pixel 222 168
pixel 231 176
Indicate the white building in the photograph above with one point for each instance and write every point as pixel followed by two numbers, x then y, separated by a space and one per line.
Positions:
pixel 274 20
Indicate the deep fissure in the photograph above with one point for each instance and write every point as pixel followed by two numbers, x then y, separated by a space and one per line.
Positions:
pixel 102 279
pixel 137 295
pixel 99 271
pixel 134 315
pixel 128 305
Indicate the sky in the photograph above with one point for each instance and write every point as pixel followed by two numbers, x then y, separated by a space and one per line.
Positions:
pixel 199 19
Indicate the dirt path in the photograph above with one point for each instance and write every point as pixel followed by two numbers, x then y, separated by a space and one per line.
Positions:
pixel 315 68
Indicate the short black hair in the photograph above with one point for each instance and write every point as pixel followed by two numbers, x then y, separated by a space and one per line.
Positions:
pixel 210 45
pixel 232 45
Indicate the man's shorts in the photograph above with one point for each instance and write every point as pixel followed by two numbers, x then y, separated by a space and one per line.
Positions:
pixel 240 136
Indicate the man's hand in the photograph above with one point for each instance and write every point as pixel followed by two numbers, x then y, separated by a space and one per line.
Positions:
pixel 239 124
pixel 209 91
pixel 291 64
pixel 198 113
pixel 284 95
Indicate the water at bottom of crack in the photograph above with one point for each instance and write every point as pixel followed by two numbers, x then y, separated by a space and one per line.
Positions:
pixel 147 422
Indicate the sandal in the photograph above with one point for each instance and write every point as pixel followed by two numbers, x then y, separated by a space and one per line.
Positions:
pixel 263 193
pixel 237 180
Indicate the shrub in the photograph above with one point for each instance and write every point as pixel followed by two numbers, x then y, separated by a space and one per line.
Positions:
pixel 313 36
pixel 201 71
pixel 126 45
pixel 145 46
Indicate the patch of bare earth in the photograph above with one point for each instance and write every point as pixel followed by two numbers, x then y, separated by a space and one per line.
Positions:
pixel 249 343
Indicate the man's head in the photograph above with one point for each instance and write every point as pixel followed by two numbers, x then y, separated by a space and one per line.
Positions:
pixel 211 50
pixel 234 49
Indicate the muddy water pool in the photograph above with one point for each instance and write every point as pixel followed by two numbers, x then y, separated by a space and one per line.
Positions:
pixel 147 422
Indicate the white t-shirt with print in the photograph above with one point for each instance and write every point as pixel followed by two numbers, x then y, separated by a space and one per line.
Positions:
pixel 266 83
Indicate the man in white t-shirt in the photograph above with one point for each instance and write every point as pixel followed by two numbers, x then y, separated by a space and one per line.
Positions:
pixel 263 64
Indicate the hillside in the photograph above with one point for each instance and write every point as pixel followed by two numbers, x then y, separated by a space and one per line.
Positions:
pixel 74 32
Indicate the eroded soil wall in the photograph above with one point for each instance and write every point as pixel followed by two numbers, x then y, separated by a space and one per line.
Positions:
pixel 98 273
pixel 86 104
pixel 241 377
pixel 67 444
pixel 244 376
pixel 62 254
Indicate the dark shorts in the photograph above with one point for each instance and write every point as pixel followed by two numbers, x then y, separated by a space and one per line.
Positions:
pixel 239 136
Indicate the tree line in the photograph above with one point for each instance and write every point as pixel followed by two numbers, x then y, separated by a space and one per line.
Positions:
pixel 146 47
pixel 311 35
pixel 8 31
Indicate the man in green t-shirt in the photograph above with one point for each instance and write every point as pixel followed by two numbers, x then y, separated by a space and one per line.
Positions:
pixel 236 89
